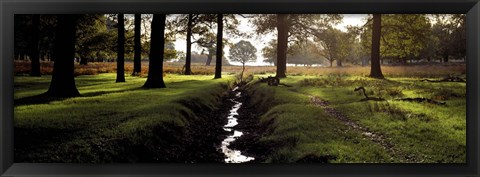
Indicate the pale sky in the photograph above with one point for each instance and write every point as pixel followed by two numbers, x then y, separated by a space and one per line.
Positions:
pixel 260 41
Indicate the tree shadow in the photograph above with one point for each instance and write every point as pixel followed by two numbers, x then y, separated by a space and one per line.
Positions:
pixel 46 98
pixel 34 140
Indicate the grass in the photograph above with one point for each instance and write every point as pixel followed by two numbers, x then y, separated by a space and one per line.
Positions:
pixel 415 71
pixel 111 117
pixel 122 122
pixel 423 132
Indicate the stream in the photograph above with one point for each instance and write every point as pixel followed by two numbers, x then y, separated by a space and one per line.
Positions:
pixel 233 156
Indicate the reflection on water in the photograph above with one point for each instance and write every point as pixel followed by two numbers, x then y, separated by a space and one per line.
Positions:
pixel 233 156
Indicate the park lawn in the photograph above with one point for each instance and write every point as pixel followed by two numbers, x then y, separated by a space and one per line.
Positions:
pixel 422 132
pixel 109 116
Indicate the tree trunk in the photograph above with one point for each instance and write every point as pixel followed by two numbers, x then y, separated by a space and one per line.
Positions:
pixel 339 63
pixel 157 47
pixel 218 64
pixel 121 49
pixel 63 81
pixel 445 58
pixel 331 63
pixel 375 70
pixel 83 61
pixel 209 59
pixel 188 58
pixel 34 51
pixel 137 57
pixel 282 39
pixel 241 74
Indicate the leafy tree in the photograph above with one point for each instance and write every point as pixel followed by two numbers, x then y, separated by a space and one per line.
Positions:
pixel 157 47
pixel 120 49
pixel 291 27
pixel 197 28
pixel 89 27
pixel 188 25
pixel 337 45
pixel 63 81
pixel 403 36
pixel 375 70
pixel 243 52
pixel 449 32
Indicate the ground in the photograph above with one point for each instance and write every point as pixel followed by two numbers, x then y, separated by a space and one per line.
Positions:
pixel 316 117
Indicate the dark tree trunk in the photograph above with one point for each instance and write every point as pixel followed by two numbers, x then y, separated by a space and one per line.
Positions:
pixel 218 64
pixel 445 58
pixel 188 58
pixel 137 59
pixel 331 63
pixel 375 70
pixel 83 61
pixel 339 63
pixel 121 49
pixel 34 51
pixel 157 44
pixel 63 81
pixel 282 45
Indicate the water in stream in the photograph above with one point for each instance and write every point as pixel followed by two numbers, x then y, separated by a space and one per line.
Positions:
pixel 233 156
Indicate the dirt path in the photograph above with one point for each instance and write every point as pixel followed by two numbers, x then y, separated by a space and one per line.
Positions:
pixel 375 137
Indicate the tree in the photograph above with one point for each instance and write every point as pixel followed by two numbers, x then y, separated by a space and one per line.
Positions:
pixel 137 58
pixel 88 28
pixel 375 70
pixel 63 81
pixel 157 47
pixel 188 58
pixel 243 52
pixel 291 27
pixel 218 63
pixel 34 48
pixel 337 45
pixel 450 33
pixel 403 36
pixel 121 49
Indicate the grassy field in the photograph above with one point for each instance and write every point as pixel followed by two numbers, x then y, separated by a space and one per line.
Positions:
pixel 419 132
pixel 433 70
pixel 122 122
pixel 110 117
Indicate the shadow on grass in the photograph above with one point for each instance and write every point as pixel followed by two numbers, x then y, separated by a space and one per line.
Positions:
pixel 45 98
pixel 27 140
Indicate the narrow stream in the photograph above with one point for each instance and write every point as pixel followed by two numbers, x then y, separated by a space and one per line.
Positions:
pixel 233 156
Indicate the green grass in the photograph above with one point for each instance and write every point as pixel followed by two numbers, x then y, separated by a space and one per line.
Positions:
pixel 109 115
pixel 300 129
pixel 424 132
pixel 122 122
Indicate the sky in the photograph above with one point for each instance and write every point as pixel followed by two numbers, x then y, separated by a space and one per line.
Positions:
pixel 259 42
